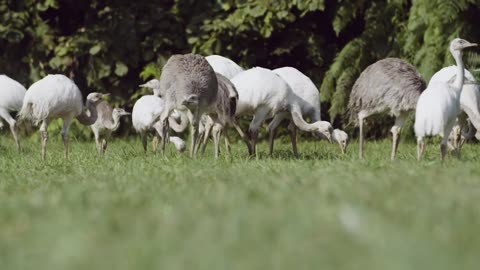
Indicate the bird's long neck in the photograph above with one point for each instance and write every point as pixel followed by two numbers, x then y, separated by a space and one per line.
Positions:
pixel 89 116
pixel 179 127
pixel 458 84
pixel 115 123
pixel 299 121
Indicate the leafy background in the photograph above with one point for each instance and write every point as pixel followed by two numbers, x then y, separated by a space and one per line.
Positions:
pixel 114 45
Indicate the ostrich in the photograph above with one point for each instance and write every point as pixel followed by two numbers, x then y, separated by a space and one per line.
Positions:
pixel 469 104
pixel 224 66
pixel 189 83
pixel 56 96
pixel 225 107
pixel 108 120
pixel 439 104
pixel 307 96
pixel 145 114
pixel 389 85
pixel 11 99
pixel 266 94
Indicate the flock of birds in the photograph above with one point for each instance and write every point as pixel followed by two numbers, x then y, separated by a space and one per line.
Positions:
pixel 210 93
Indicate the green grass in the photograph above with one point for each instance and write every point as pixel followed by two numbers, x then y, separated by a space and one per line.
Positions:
pixel 323 211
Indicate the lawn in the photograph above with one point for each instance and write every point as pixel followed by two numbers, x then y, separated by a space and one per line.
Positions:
pixel 129 210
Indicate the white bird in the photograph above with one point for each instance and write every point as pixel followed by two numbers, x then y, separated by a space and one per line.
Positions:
pixel 439 105
pixel 307 96
pixel 145 115
pixel 266 94
pixel 56 96
pixel 224 66
pixel 108 120
pixel 469 104
pixel 11 99
pixel 341 138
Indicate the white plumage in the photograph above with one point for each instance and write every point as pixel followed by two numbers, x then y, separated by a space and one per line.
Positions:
pixel 469 98
pixel 266 94
pixel 11 99
pixel 439 105
pixel 56 96
pixel 145 116
pixel 224 66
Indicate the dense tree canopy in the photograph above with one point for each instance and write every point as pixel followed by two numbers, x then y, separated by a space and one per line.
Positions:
pixel 113 45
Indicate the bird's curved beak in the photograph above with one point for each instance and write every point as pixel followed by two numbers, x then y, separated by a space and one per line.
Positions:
pixel 470 45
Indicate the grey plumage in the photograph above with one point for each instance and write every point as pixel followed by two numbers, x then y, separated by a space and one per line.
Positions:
pixel 187 82
pixel 108 120
pixel 390 85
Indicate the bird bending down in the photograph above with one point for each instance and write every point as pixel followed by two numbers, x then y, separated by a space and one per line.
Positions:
pixel 108 120
pixel 390 85
pixel 439 104
pixel 189 83
pixel 266 94
pixel 145 115
pixel 224 66
pixel 56 96
pixel 11 99
pixel 307 96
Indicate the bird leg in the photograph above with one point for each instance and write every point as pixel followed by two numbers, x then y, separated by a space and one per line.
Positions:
pixel 195 119
pixel 154 143
pixel 420 148
pixel 217 132
pixel 395 135
pixel 104 146
pixel 443 150
pixel 254 137
pixel 65 144
pixel 14 130
pixel 227 143
pixel 164 135
pixel 98 144
pixel 206 134
pixel 360 122
pixel 293 136
pixel 272 130
pixel 44 135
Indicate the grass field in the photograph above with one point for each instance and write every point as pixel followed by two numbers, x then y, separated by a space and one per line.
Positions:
pixel 323 211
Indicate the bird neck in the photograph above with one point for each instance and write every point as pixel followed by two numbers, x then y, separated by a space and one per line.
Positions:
pixel 115 123
pixel 458 83
pixel 179 127
pixel 88 116
pixel 300 122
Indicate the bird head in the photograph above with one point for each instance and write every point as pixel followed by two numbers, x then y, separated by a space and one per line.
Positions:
pixel 458 44
pixel 153 84
pixel 96 97
pixel 323 129
pixel 120 112
pixel 341 137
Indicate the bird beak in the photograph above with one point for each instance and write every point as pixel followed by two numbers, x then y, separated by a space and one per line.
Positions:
pixel 127 113
pixel 471 45
pixel 143 85
pixel 106 95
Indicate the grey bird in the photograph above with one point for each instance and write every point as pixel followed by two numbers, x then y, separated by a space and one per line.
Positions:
pixel 223 117
pixel 108 120
pixel 390 85
pixel 188 83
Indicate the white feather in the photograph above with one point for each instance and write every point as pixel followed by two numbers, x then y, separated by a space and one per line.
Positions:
pixel 146 112
pixel 11 94
pixel 224 66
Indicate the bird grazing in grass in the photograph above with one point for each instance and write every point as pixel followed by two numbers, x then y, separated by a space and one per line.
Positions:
pixel 439 104
pixel 189 83
pixel 145 114
pixel 266 94
pixel 108 120
pixel 307 96
pixel 224 66
pixel 390 85
pixel 56 96
pixel 11 100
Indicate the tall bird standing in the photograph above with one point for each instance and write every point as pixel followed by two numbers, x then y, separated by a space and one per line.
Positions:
pixel 308 98
pixel 189 83
pixel 108 120
pixel 390 85
pixel 56 96
pixel 11 99
pixel 266 94
pixel 439 104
